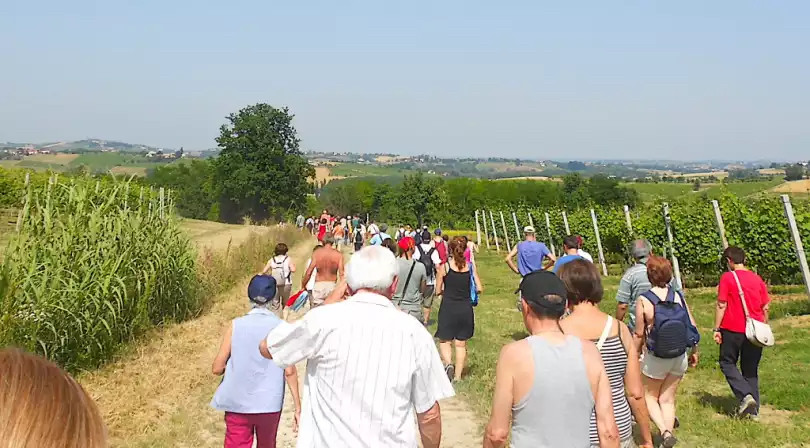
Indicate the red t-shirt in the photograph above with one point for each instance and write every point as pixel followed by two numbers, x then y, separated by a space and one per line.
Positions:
pixel 756 297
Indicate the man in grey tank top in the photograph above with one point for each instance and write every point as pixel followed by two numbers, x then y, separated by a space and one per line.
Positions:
pixel 549 383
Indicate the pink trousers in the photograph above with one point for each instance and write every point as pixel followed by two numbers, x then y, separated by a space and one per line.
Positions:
pixel 239 429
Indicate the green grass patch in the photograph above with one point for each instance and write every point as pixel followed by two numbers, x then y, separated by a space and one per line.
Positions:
pixel 704 399
pixel 743 188
pixel 659 191
pixel 360 170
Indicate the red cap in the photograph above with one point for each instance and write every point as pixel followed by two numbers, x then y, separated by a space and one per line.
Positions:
pixel 406 243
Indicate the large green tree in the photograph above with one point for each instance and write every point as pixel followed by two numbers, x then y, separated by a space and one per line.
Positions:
pixel 260 171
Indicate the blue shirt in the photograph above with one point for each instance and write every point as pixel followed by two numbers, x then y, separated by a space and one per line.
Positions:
pixel 565 259
pixel 252 384
pixel 530 256
pixel 377 239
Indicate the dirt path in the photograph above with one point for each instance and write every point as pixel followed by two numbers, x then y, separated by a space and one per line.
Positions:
pixel 158 395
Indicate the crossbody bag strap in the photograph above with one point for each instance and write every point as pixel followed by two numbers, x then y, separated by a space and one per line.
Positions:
pixel 605 333
pixel 742 294
pixel 408 279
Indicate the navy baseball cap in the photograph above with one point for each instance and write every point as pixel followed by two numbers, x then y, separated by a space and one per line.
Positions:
pixel 438 232
pixel 262 289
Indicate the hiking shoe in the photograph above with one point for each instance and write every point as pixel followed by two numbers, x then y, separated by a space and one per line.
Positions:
pixel 747 405
pixel 669 440
pixel 677 423
pixel 450 370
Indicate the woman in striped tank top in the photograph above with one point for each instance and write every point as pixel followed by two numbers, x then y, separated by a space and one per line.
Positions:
pixel 615 343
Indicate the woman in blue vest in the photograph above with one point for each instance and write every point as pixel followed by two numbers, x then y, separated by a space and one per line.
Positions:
pixel 252 391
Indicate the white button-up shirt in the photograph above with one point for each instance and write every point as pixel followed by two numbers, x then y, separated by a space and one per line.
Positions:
pixel 369 366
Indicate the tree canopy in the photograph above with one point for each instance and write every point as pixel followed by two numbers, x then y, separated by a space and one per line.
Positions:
pixel 260 171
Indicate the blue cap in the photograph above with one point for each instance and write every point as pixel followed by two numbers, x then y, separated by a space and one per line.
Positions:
pixel 438 232
pixel 262 289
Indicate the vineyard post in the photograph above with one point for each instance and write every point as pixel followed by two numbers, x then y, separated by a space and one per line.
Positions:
pixel 550 241
pixel 140 202
pixel 599 243
pixel 24 202
pixel 486 234
pixel 797 241
pixel 505 233
pixel 477 229
pixel 627 218
pixel 531 221
pixel 565 221
pixel 720 226
pixel 162 194
pixel 675 266
pixel 494 231
pixel 517 229
pixel 126 197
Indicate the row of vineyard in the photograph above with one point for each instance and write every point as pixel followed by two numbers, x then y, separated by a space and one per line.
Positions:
pixel 759 226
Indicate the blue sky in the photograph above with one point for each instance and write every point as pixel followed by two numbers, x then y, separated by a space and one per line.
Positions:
pixel 530 79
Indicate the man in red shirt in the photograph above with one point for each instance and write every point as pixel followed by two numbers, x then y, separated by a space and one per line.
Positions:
pixel 729 329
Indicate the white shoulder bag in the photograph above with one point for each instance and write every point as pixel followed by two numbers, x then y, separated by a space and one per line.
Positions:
pixel 758 333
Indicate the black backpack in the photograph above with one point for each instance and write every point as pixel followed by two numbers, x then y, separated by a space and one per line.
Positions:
pixel 426 258
pixel 358 237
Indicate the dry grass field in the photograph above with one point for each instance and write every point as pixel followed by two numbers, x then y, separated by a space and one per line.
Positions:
pixel 793 186
pixel 323 173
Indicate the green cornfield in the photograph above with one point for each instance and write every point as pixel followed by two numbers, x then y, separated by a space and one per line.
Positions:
pixel 92 266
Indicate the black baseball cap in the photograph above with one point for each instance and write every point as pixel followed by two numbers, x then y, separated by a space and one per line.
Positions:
pixel 537 286
pixel 262 289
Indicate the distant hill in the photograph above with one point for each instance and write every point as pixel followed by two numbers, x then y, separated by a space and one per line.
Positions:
pixel 92 144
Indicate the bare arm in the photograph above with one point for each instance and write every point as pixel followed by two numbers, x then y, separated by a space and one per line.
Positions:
pixel 292 266
pixel 641 325
pixel 264 350
pixel 621 311
pixel 439 282
pixel 267 267
pixel 605 420
pixel 341 272
pixel 291 374
pixel 218 368
pixel 510 262
pixel 634 387
pixel 430 426
pixel 500 419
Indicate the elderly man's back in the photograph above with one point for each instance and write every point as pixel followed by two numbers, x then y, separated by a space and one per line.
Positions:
pixel 369 365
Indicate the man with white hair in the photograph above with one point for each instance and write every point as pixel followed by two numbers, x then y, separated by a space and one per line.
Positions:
pixel 368 364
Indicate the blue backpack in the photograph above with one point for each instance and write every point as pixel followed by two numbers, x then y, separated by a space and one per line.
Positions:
pixel 672 332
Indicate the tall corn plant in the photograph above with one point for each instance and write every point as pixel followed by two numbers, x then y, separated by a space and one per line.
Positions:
pixel 90 270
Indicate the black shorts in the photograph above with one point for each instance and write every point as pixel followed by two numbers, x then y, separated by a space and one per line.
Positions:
pixel 456 320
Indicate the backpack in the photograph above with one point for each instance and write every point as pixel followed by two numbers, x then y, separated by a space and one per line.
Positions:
pixel 672 332
pixel 277 271
pixel 441 248
pixel 426 258
pixel 358 236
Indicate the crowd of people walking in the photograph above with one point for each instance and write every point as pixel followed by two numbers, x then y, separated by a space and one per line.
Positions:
pixel 581 378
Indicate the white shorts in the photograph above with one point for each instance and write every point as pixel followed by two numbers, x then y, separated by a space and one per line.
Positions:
pixel 658 368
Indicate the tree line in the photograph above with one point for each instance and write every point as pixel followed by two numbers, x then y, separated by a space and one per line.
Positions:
pixel 423 199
